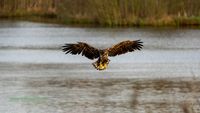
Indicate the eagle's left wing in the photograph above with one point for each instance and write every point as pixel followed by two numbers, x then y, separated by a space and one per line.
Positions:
pixel 124 47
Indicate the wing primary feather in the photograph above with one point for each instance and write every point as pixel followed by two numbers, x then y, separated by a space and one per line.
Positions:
pixel 124 47
pixel 81 48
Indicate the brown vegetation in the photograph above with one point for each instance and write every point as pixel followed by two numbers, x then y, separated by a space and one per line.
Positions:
pixel 108 12
pixel 17 8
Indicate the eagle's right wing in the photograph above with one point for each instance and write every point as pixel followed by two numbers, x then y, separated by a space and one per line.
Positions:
pixel 81 48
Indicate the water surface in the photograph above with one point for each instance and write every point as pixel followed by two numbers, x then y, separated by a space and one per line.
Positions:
pixel 37 77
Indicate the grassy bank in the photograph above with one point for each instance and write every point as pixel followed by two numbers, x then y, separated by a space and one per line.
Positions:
pixel 28 8
pixel 108 12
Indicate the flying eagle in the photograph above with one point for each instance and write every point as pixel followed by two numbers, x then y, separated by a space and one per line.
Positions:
pixel 102 54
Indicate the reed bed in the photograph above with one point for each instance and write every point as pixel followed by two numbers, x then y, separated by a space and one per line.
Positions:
pixel 108 12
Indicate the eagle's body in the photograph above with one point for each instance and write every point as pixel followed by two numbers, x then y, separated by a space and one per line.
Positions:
pixel 102 61
pixel 102 55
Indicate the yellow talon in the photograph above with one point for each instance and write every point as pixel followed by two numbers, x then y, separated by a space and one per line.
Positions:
pixel 100 66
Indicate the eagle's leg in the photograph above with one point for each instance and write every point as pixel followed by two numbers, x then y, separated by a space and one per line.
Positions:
pixel 101 65
pixel 108 61
pixel 96 64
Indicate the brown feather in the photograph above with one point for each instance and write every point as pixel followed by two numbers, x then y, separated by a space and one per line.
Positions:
pixel 81 48
pixel 124 47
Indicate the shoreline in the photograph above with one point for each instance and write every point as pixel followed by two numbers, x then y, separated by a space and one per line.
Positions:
pixel 54 20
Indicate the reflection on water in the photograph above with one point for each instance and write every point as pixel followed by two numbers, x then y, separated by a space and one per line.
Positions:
pixel 37 77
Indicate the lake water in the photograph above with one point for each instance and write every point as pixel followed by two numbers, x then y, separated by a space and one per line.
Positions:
pixel 37 77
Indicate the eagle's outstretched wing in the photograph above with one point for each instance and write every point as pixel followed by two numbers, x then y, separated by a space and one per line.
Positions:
pixel 124 47
pixel 81 48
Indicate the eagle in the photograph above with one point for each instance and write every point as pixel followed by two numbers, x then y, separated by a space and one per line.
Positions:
pixel 102 54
